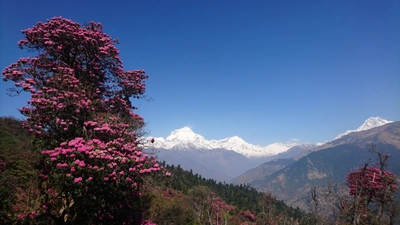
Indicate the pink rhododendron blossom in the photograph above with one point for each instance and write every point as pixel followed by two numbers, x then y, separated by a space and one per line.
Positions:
pixel 78 179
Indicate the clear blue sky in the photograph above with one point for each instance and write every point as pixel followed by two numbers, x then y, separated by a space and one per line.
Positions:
pixel 266 71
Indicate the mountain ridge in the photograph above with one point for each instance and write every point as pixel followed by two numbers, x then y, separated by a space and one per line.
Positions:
pixel 291 180
pixel 185 139
pixel 368 124
pixel 358 135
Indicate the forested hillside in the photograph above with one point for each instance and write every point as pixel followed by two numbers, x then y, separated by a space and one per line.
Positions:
pixel 243 197
pixel 17 168
pixel 182 198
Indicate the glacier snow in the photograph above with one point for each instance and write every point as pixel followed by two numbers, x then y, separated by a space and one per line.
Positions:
pixel 184 139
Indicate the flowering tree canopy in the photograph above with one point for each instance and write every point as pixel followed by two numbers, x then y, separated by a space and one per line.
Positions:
pixel 369 185
pixel 372 184
pixel 83 121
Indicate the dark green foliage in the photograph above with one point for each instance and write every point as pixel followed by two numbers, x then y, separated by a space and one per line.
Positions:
pixel 17 168
pixel 174 209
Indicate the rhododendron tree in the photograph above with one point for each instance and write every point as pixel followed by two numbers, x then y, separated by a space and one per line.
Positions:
pixel 80 112
pixel 369 185
pixel 372 184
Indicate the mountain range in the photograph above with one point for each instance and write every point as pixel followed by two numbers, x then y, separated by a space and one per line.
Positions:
pixel 226 159
pixel 291 179
pixel 184 139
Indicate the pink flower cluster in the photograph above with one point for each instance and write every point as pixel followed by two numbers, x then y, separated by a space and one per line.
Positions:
pixel 217 206
pixel 120 160
pixel 78 179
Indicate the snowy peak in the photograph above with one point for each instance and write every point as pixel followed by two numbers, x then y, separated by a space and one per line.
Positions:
pixel 235 140
pixel 373 122
pixel 368 124
pixel 184 134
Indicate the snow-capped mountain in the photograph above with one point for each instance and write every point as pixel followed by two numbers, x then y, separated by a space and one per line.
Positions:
pixel 228 158
pixel 368 124
pixel 184 139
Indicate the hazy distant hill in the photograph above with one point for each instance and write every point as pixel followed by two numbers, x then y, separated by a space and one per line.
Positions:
pixel 263 171
pixel 332 162
pixel 220 164
pixel 388 133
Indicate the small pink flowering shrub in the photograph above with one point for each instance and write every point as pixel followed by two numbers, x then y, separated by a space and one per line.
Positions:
pixel 218 209
pixel 249 216
pixel 80 112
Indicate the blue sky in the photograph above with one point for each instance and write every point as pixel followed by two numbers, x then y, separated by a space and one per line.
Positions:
pixel 266 71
